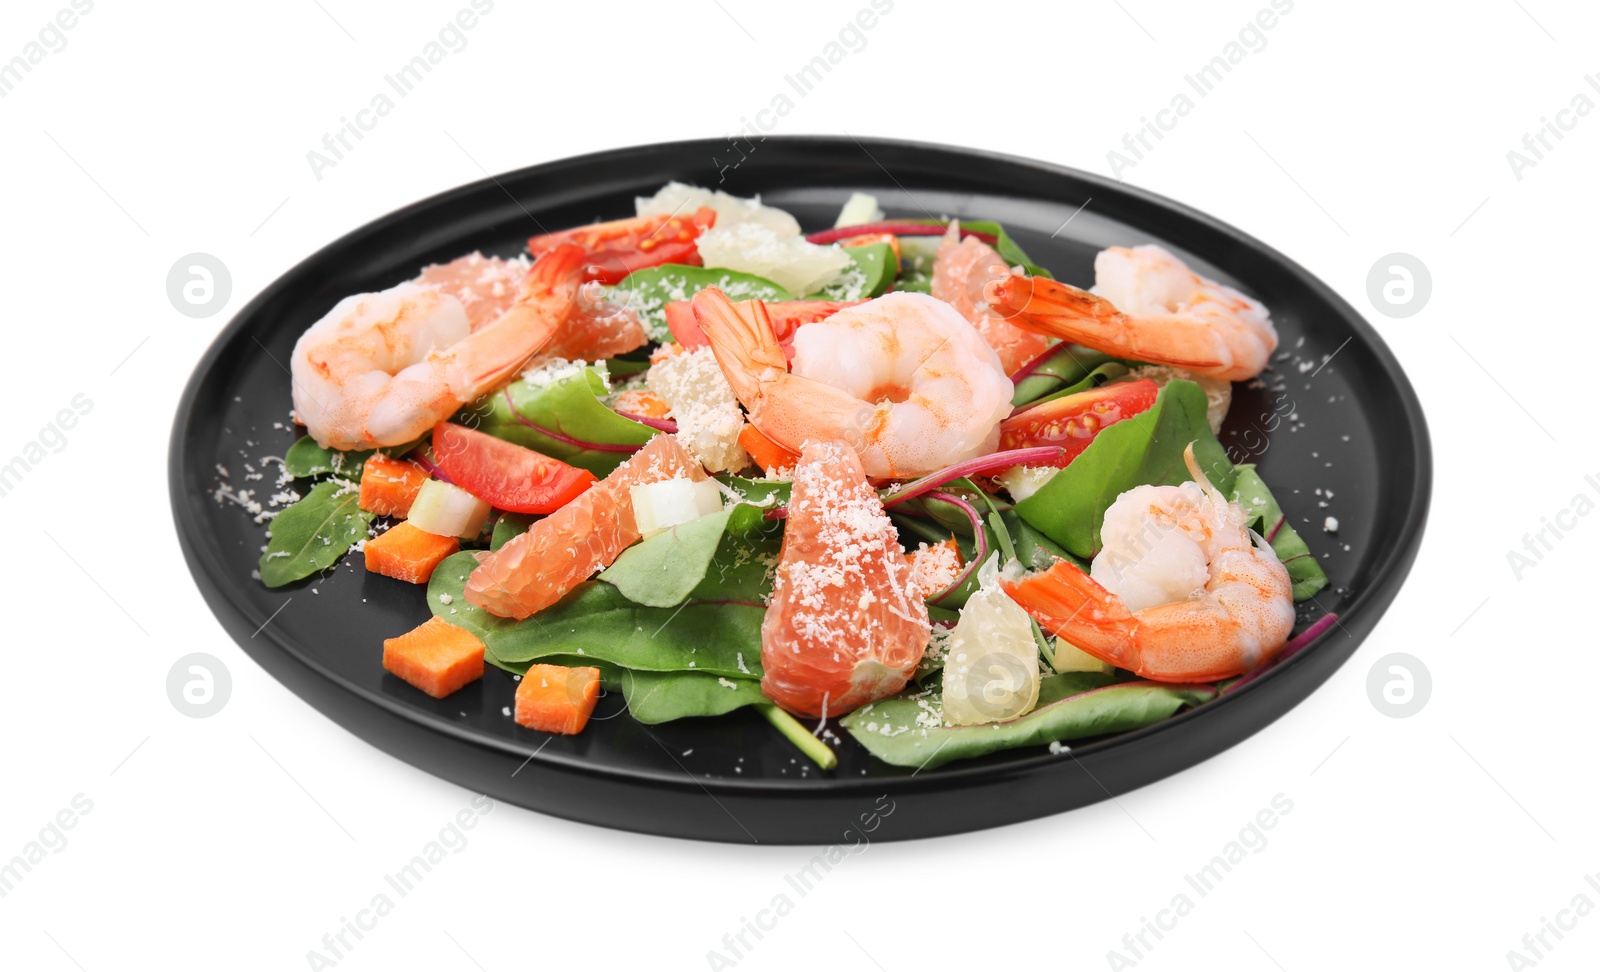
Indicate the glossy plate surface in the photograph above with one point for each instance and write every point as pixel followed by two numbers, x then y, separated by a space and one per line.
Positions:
pixel 1351 425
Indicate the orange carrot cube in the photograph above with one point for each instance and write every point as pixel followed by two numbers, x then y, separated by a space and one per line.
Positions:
pixel 407 553
pixel 553 698
pixel 436 657
pixel 390 486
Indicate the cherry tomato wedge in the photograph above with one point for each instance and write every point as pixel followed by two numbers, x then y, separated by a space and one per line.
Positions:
pixel 1073 421
pixel 504 474
pixel 787 317
pixel 620 247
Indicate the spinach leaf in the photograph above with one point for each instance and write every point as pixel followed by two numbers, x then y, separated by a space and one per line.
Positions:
pixel 914 282
pixel 1146 449
pixel 1306 574
pixel 655 697
pixel 663 570
pixel 305 458
pixel 647 292
pixel 725 556
pixel 874 270
pixel 1068 366
pixel 313 533
pixel 904 731
pixel 447 597
pixel 757 490
pixel 509 527
pixel 569 406
pixel 598 622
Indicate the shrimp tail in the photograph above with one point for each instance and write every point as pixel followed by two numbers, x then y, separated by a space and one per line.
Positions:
pixel 1072 605
pixel 555 275
pixel 497 352
pixel 1060 310
pixel 743 339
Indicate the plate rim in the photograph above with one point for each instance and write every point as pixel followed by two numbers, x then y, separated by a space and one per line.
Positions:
pixel 1384 583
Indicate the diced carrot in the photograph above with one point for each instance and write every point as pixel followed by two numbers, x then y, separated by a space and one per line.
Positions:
pixel 407 553
pixel 390 486
pixel 767 454
pixel 665 351
pixel 640 401
pixel 552 698
pixel 436 657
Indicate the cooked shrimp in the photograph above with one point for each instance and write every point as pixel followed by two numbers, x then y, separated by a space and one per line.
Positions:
pixel 381 369
pixel 1181 591
pixel 961 271
pixel 903 379
pixel 1148 306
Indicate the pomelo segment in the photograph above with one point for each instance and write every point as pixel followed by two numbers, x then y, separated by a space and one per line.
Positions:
pixel 535 570
pixel 486 286
pixel 846 625
pixel 960 272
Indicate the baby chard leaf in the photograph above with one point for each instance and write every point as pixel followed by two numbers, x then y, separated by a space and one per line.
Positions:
pixel 592 436
pixel 313 533
pixel 906 731
pixel 1250 492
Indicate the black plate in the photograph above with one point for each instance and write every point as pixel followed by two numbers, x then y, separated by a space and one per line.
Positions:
pixel 1354 427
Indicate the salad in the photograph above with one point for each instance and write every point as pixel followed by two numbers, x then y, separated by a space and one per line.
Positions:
pixel 890 477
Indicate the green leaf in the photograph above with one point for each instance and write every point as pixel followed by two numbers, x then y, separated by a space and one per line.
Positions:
pixel 509 527
pixel 655 697
pixel 647 292
pixel 1250 492
pixel 447 596
pixel 598 621
pixel 1074 705
pixel 663 570
pixel 305 458
pixel 872 274
pixel 725 556
pixel 1067 367
pixel 313 533
pixel 757 491
pixel 1147 449
pixel 914 282
pixel 1004 245
pixel 569 406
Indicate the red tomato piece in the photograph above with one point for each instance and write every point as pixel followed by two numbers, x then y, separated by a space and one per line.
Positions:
pixel 620 247
pixel 504 474
pixel 1073 421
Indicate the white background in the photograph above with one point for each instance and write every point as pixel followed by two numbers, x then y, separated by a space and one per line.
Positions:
pixel 1361 129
